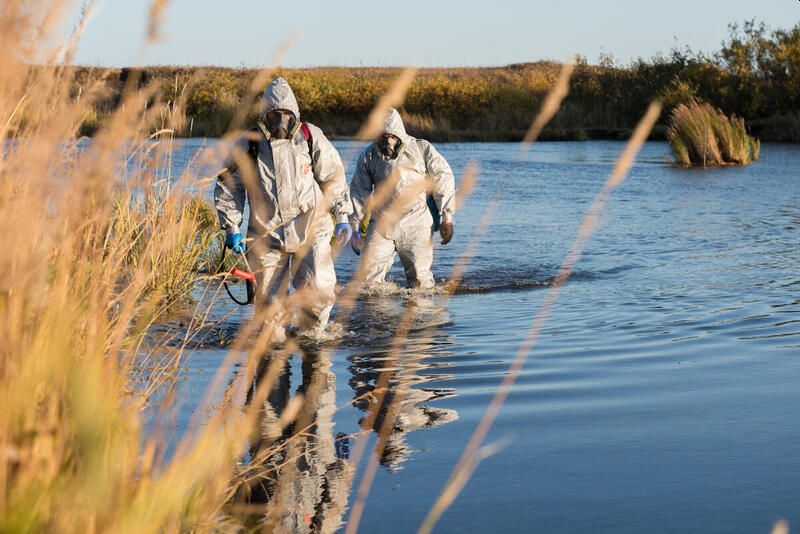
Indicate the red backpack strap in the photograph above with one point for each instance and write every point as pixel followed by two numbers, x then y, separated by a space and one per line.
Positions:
pixel 307 134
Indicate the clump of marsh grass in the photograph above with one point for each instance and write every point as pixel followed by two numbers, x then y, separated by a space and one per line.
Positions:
pixel 702 135
pixel 138 219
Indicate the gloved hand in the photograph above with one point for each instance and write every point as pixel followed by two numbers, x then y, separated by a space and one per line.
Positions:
pixel 446 231
pixel 343 233
pixel 357 243
pixel 236 243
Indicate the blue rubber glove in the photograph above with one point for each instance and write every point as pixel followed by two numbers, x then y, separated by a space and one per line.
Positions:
pixel 236 243
pixel 343 229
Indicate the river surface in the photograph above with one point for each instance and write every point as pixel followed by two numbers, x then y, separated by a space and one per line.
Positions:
pixel 662 395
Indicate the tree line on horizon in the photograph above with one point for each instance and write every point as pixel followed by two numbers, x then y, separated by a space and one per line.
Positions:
pixel 755 75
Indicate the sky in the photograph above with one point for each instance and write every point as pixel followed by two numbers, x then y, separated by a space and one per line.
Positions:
pixel 405 32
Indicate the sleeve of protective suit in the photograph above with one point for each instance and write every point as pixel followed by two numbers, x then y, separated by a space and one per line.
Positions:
pixel 229 195
pixel 360 189
pixel 329 173
pixel 444 183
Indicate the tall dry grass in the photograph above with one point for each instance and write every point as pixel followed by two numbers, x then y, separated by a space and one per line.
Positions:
pixel 701 135
pixel 99 243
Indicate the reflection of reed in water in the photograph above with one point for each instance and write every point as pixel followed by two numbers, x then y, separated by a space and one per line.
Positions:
pixel 303 484
pixel 405 402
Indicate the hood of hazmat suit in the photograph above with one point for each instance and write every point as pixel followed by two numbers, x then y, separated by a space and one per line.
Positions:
pixel 397 189
pixel 279 95
pixel 404 181
pixel 393 124
pixel 295 185
pixel 292 186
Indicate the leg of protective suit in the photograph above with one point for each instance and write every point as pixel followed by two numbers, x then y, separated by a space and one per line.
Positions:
pixel 415 247
pixel 378 257
pixel 315 282
pixel 271 270
pixel 416 254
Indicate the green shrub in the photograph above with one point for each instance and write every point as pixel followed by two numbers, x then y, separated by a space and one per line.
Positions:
pixel 213 101
pixel 782 128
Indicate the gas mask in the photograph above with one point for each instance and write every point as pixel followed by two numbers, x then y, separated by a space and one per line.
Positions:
pixel 390 145
pixel 281 123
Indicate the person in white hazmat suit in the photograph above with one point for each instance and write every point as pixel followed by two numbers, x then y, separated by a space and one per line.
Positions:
pixel 293 179
pixel 393 179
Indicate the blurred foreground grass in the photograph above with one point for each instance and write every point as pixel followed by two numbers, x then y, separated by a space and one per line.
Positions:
pixel 100 242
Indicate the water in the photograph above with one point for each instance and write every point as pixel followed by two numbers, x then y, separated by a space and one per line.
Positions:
pixel 662 394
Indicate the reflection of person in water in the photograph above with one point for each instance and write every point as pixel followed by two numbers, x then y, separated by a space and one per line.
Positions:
pixel 407 405
pixel 404 402
pixel 304 482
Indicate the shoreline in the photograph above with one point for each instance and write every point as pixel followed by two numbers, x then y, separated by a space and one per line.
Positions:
pixel 447 104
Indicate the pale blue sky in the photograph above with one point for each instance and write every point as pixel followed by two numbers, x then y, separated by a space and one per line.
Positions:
pixel 426 33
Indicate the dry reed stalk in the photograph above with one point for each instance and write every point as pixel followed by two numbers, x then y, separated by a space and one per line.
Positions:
pixel 72 46
pixel 155 19
pixel 391 99
pixel 549 107
pixel 468 461
pixel 780 527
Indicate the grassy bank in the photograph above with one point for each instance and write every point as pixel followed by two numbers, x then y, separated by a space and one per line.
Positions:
pixel 755 75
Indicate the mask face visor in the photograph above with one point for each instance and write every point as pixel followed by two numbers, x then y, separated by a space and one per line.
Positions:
pixel 280 123
pixel 390 145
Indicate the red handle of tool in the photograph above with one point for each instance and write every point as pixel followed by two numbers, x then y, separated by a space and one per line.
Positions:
pixel 244 275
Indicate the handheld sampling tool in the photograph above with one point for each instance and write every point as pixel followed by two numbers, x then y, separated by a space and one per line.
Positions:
pixel 248 277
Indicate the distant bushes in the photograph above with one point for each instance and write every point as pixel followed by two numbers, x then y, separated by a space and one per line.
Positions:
pixel 784 128
pixel 701 135
pixel 755 75
pixel 211 103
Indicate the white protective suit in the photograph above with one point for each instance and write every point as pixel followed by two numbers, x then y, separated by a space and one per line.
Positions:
pixel 409 232
pixel 291 195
